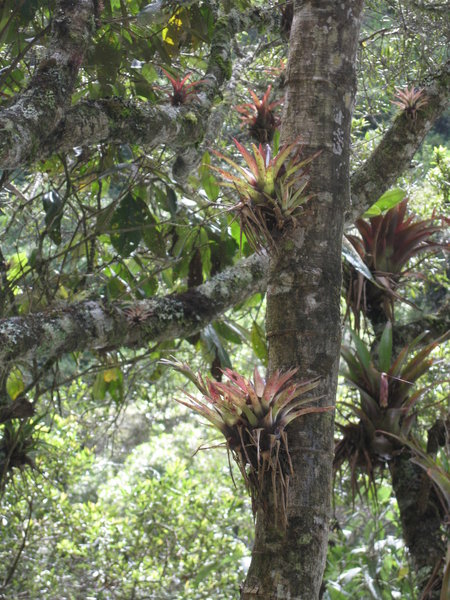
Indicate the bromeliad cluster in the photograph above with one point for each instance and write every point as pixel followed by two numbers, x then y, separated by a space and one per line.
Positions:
pixel 252 416
pixel 271 190
pixel 387 399
pixel 386 245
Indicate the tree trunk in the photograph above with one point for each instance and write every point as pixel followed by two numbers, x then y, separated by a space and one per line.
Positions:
pixel 303 321
pixel 421 523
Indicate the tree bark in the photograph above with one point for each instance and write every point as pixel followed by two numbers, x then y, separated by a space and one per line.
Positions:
pixel 40 108
pixel 96 325
pixel 303 295
pixel 421 518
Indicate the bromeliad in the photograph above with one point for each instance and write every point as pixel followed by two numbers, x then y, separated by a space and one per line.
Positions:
pixel 182 92
pixel 386 244
pixel 259 116
pixel 271 190
pixel 253 415
pixel 387 398
pixel 410 100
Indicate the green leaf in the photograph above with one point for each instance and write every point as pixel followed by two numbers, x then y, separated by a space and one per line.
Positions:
pixel 99 387
pixel 172 202
pixel 276 142
pixel 228 332
pixel 126 224
pixel 151 234
pixel 212 339
pixel 385 349
pixel 362 351
pixel 207 179
pixel 131 222
pixel 352 256
pixel 387 201
pixel 258 340
pixel 205 251
pixel 15 384
pixel 147 286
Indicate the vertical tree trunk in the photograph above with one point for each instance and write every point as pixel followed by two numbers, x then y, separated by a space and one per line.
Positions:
pixel 421 518
pixel 303 320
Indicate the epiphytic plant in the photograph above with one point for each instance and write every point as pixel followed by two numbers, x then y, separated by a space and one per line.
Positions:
pixel 18 445
pixel 410 100
pixel 252 416
pixel 271 191
pixel 386 244
pixel 259 116
pixel 387 398
pixel 182 92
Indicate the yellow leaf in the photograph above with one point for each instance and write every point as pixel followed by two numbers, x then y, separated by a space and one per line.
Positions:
pixel 62 292
pixel 15 384
pixel 166 38
pixel 110 375
pixel 402 572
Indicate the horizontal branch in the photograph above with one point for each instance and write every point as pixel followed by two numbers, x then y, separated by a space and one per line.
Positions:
pixel 115 120
pixel 93 325
pixel 41 122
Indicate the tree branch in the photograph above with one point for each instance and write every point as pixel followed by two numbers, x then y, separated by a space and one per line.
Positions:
pixel 40 108
pixel 41 122
pixel 95 325
pixel 397 147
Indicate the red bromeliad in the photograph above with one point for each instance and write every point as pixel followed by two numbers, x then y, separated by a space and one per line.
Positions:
pixel 182 92
pixel 259 116
pixel 386 244
pixel 252 416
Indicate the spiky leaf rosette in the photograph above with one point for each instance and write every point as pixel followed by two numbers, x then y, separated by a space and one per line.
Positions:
pixel 252 416
pixel 386 244
pixel 259 116
pixel 182 92
pixel 271 190
pixel 387 398
pixel 18 444
pixel 410 100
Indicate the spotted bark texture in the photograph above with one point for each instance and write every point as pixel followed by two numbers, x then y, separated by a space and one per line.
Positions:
pixel 303 321
pixel 95 325
pixel 41 107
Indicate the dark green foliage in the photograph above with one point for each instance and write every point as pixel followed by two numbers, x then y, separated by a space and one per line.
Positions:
pixel 387 401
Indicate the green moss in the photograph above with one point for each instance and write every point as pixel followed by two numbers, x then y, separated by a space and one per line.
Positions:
pixel 190 116
pixel 225 65
pixel 305 539
pixel 289 245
